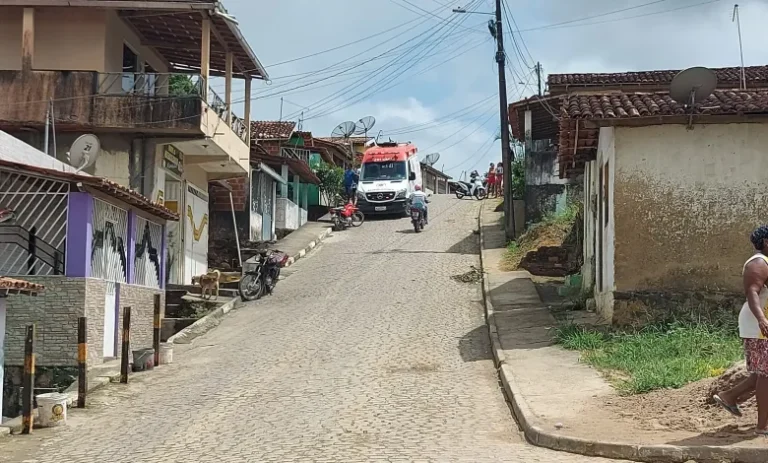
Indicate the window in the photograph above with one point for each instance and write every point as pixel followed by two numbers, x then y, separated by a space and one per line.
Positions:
pixel 130 68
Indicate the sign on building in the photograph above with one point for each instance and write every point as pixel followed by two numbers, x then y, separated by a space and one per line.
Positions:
pixel 173 159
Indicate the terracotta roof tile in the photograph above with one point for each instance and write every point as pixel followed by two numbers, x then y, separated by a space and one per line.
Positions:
pixel 634 105
pixel 727 78
pixel 272 130
pixel 12 284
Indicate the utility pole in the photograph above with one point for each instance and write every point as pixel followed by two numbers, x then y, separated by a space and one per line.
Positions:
pixel 509 208
pixel 538 75
pixel 281 109
pixel 741 46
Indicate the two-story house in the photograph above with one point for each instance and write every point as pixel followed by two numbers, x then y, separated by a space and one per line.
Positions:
pixel 143 76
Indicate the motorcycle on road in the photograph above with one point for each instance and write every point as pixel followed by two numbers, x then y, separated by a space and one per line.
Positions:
pixel 417 219
pixel 346 216
pixel 261 273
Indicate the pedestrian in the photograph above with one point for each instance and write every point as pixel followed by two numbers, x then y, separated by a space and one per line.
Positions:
pixel 500 178
pixel 350 184
pixel 491 176
pixel 753 329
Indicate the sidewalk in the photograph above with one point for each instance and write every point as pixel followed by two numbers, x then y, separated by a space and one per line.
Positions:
pixel 559 401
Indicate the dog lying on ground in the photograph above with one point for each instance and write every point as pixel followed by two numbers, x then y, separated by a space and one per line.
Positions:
pixel 208 283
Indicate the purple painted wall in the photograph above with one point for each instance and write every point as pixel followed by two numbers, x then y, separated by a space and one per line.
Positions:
pixel 79 235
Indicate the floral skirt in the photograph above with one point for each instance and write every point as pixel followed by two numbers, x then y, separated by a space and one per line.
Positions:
pixel 756 353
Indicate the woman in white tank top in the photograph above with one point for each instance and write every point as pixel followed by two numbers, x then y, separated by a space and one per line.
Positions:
pixel 753 328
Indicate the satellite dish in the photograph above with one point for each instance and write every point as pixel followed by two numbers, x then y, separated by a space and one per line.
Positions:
pixel 344 130
pixel 84 151
pixel 431 159
pixel 693 85
pixel 364 125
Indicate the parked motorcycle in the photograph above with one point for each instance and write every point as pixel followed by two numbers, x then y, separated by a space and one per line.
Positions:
pixel 417 219
pixel 474 187
pixel 346 216
pixel 260 274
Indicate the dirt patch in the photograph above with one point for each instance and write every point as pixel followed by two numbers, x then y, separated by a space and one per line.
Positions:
pixel 473 276
pixel 684 409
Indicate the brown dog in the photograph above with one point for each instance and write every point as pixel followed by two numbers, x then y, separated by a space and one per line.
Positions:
pixel 208 283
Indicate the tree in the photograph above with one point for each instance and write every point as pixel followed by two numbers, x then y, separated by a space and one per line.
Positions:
pixel 182 85
pixel 517 174
pixel 331 182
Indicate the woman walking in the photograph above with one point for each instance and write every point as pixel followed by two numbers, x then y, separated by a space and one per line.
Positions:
pixel 753 328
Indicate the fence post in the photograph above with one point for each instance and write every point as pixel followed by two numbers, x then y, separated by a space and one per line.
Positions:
pixel 82 361
pixel 126 345
pixel 156 334
pixel 28 381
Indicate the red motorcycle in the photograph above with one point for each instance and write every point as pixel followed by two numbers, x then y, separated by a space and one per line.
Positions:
pixel 346 216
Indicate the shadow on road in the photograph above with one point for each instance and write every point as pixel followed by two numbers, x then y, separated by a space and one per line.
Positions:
pixel 470 244
pixel 474 346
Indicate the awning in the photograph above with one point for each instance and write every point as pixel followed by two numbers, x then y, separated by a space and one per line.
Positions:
pixel 269 171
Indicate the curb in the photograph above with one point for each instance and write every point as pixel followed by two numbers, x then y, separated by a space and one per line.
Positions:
pixel 616 450
pixel 312 244
pixel 203 325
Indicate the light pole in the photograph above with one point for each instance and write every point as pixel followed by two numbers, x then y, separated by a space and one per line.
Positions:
pixel 509 208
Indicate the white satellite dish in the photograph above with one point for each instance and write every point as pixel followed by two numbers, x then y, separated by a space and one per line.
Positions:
pixel 692 86
pixel 84 151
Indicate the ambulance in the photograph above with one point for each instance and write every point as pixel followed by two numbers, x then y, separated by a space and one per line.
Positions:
pixel 389 174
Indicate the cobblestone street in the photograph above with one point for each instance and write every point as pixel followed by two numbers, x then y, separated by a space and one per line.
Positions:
pixel 367 351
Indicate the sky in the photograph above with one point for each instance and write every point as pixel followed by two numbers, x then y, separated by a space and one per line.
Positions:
pixel 428 75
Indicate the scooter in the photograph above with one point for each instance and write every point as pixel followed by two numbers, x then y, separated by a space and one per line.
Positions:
pixel 474 187
pixel 346 216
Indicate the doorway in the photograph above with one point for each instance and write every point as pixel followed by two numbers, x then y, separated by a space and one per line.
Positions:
pixel 173 199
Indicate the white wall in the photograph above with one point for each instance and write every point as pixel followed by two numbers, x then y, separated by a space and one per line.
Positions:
pixel 605 165
pixel 2 352
pixel 590 222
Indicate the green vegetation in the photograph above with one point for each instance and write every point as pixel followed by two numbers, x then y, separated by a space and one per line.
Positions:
pixel 331 182
pixel 518 177
pixel 182 85
pixel 655 357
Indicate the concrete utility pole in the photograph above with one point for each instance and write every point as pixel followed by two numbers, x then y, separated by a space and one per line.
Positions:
pixel 509 208
pixel 538 75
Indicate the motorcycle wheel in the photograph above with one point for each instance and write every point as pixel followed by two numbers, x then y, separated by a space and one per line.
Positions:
pixel 416 226
pixel 250 287
pixel 459 195
pixel 336 225
pixel 481 194
pixel 421 224
pixel 275 278
pixel 357 219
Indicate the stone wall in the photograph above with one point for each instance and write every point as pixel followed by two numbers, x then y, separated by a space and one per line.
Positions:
pixel 95 293
pixel 55 312
pixel 640 308
pixel 141 301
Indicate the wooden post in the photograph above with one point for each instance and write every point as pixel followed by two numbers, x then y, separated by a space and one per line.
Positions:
pixel 156 334
pixel 82 361
pixel 228 85
pixel 28 40
pixel 125 345
pixel 247 109
pixel 28 381
pixel 205 56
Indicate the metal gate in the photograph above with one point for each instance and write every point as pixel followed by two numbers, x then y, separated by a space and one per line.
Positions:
pixel 268 206
pixel 146 270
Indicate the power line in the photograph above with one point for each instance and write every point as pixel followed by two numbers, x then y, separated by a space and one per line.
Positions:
pixel 489 116
pixel 442 119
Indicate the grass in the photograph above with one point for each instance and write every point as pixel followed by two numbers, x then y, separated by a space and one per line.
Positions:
pixel 551 231
pixel 655 357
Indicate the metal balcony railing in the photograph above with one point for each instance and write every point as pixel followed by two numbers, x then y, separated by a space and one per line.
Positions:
pixel 296 153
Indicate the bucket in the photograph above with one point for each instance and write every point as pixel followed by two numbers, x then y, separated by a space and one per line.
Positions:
pixel 52 409
pixel 143 359
pixel 166 353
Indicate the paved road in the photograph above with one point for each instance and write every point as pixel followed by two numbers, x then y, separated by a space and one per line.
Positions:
pixel 368 351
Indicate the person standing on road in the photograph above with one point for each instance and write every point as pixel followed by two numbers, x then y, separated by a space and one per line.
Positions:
pixel 753 328
pixel 350 185
pixel 492 181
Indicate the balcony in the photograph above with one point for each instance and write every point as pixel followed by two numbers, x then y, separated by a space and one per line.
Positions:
pixel 177 105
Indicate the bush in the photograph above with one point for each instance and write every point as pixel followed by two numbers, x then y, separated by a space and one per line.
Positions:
pixel 331 182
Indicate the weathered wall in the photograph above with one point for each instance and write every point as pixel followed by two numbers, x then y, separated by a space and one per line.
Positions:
pixel 545 192
pixel 10 37
pixel 686 202
pixel 70 39
pixel 117 33
pixel 603 182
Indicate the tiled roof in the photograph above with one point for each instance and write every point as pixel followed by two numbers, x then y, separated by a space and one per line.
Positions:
pixel 634 105
pixel 344 141
pixel 21 286
pixel 272 130
pixel 726 77
pixel 101 184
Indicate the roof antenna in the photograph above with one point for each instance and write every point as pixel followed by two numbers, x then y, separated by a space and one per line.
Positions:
pixel 692 86
pixel 741 47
